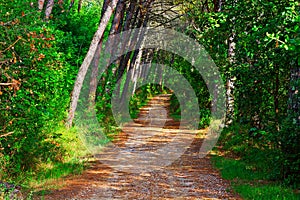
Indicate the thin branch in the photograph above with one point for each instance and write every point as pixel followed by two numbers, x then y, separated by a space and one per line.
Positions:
pixel 10 46
pixel 9 22
pixel 6 134
pixel 6 84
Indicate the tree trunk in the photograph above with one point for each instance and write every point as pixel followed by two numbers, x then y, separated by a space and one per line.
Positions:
pixel 294 95
pixel 94 75
pixel 79 5
pixel 41 5
pixel 87 61
pixel 115 41
pixel 147 58
pixel 130 21
pixel 276 97
pixel 230 80
pixel 118 19
pixel 229 100
pixel 138 68
pixel 49 7
pixel 71 4
pixel 217 5
pixel 95 66
pixel 116 29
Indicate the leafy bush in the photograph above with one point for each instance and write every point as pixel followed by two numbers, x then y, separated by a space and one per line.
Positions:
pixel 37 99
pixel 38 64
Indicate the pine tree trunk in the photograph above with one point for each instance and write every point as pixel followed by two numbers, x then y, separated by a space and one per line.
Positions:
pixel 87 61
pixel 230 80
pixel 114 31
pixel 94 76
pixel 49 7
pixel 294 95
pixel 276 97
pixel 41 4
pixel 131 18
pixel 95 65
pixel 79 5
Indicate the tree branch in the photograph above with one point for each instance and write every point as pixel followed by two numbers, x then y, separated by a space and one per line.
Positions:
pixel 6 84
pixel 6 134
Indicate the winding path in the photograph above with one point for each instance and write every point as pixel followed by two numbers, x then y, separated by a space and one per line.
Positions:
pixel 144 162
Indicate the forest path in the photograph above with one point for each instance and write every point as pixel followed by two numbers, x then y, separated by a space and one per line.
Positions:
pixel 140 164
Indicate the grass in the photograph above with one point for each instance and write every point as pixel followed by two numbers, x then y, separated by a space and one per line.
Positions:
pixel 232 169
pixel 58 170
pixel 262 192
pixel 250 181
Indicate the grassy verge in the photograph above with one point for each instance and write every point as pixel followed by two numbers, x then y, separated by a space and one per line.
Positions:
pixel 251 167
pixel 251 183
pixel 72 160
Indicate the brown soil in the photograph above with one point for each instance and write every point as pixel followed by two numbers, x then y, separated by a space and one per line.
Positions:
pixel 136 167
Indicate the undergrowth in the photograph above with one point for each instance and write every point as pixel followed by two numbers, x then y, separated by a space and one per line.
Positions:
pixel 72 161
pixel 250 182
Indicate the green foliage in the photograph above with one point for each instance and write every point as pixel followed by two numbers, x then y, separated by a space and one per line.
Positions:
pixel 36 101
pixel 78 30
pixel 265 36
pixel 193 76
pixel 58 170
pixel 199 86
pixel 39 61
pixel 175 111
pixel 138 100
pixel 105 89
pixel 142 95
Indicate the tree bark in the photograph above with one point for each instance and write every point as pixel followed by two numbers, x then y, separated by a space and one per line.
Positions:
pixel 230 80
pixel 87 61
pixel 115 41
pixel 276 97
pixel 117 26
pixel 41 4
pixel 95 65
pixel 49 8
pixel 294 95
pixel 217 5
pixel 71 4
pixel 131 18
pixel 94 75
pixel 79 5
pixel 137 71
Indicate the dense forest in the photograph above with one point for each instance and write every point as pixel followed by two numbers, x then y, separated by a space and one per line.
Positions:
pixel 51 50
